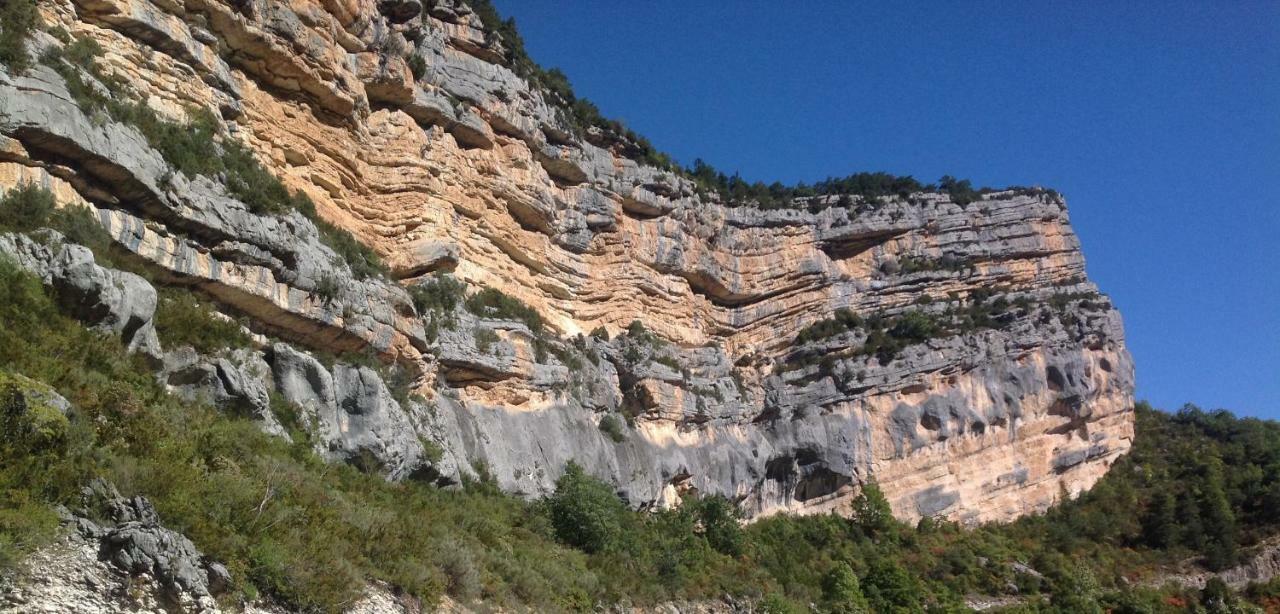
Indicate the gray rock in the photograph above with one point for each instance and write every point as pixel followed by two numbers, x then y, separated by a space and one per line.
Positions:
pixel 134 540
pixel 238 383
pixel 115 301
pixel 351 413
pixel 145 547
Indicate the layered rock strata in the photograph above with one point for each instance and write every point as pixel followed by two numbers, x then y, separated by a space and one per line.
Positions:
pixel 402 123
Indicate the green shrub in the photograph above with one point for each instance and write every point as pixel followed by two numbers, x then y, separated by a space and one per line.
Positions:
pixel 28 207
pixel 432 451
pixel 439 294
pixel 183 319
pixel 719 520
pixel 24 527
pixel 585 512
pixel 485 338
pixel 843 321
pixel 640 335
pixel 960 190
pixel 614 427
pixel 364 262
pixel 417 66
pixel 841 592
pixel 668 361
pixel 871 511
pixel 915 327
pixel 18 18
pixel 491 303
pixel 777 603
pixel 327 287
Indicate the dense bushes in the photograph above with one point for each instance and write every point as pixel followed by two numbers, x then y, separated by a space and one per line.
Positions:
pixel 491 303
pixel 18 19
pixel 960 190
pixel 733 189
pixel 28 206
pixel 325 530
pixel 585 512
pixel 435 300
pixel 885 335
pixel 614 427
pixel 33 437
pixel 888 335
pixel 183 319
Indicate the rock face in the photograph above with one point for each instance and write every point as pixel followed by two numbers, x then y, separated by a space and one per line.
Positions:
pixel 114 301
pixel 1003 383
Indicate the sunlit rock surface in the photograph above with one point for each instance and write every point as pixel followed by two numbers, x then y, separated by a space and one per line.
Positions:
pixel 468 170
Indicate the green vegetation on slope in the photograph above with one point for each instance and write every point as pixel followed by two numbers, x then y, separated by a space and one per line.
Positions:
pixel 327 529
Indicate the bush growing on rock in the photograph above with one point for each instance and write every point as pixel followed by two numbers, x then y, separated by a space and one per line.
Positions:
pixel 491 303
pixel 18 18
pixel 440 293
pixel 195 148
pixel 614 427
pixel 183 319
pixel 417 66
pixel 485 338
pixel 27 207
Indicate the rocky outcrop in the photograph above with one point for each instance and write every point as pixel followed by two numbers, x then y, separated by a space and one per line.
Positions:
pixel 114 301
pixel 125 562
pixel 350 411
pixel 139 545
pixel 237 383
pixel 406 128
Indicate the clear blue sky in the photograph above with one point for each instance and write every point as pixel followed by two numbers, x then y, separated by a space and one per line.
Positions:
pixel 1159 121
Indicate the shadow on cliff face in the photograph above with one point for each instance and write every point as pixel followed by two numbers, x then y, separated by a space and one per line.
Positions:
pixel 804 475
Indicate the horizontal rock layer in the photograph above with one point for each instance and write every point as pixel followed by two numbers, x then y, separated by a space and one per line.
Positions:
pixel 467 169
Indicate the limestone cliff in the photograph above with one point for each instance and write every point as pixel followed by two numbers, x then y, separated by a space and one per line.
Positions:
pixel 953 351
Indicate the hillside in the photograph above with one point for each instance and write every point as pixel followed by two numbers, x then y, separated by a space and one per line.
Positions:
pixel 311 298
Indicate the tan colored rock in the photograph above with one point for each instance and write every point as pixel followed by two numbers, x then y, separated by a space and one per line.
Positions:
pixel 471 171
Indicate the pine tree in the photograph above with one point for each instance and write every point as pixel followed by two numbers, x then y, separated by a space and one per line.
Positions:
pixel 1191 530
pixel 1160 526
pixel 871 510
pixel 1219 522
